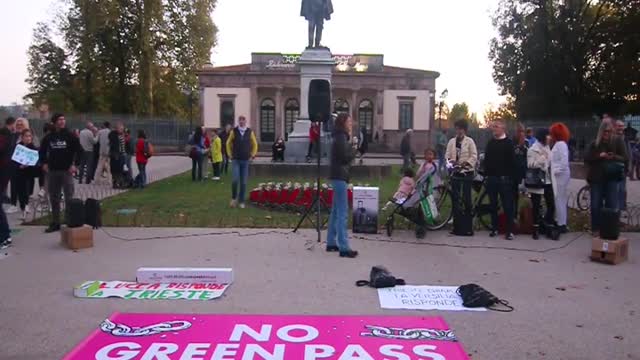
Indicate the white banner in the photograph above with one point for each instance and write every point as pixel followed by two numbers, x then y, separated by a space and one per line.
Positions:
pixel 423 298
pixel 25 156
pixel 141 291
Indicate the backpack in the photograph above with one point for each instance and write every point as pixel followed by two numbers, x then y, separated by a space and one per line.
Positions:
pixel 149 151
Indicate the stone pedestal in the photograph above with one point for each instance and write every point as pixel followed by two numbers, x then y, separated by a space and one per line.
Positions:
pixel 315 64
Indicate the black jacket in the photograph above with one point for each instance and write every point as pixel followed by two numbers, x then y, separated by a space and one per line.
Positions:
pixel 342 155
pixel 596 165
pixel 405 145
pixel 59 150
pixel 114 145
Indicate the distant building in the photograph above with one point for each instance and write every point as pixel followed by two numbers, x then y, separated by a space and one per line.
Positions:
pixel 387 100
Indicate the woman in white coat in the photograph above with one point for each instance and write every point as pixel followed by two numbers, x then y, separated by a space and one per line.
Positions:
pixel 560 172
pixel 539 157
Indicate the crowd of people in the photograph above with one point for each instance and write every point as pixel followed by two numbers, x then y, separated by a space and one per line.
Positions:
pixel 88 155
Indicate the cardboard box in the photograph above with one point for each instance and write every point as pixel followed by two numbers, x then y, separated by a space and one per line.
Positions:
pixel 609 252
pixel 77 238
pixel 365 210
pixel 184 275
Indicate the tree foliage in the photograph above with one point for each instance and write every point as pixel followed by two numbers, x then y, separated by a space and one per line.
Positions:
pixel 505 112
pixel 568 57
pixel 122 56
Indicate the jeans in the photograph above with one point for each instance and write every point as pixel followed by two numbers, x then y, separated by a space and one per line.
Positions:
pixel 86 166
pixel 142 171
pixel 461 193
pixel 196 167
pixel 239 175
pixel 622 195
pixel 338 217
pixel 606 192
pixel 441 160
pixel 59 181
pixel 225 164
pixel 536 200
pixel 501 186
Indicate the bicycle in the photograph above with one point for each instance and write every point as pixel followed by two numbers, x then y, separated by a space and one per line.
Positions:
pixel 481 205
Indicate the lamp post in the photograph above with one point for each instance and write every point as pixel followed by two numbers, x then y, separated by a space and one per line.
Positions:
pixel 443 96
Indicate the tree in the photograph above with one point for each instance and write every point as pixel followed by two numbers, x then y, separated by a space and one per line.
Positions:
pixel 566 57
pixel 505 111
pixel 459 111
pixel 49 76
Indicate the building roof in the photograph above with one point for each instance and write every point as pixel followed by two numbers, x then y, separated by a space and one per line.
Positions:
pixel 245 68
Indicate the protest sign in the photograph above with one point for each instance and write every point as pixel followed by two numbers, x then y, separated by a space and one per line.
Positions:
pixel 143 291
pixel 25 156
pixel 422 298
pixel 158 336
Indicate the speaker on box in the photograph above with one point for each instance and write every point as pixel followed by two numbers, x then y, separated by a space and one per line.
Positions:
pixel 320 100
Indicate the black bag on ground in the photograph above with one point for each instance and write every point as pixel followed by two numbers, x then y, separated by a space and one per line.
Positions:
pixel 75 213
pixel 609 224
pixel 379 278
pixel 462 223
pixel 93 213
pixel 474 296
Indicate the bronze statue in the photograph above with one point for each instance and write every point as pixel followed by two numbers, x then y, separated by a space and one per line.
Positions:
pixel 316 12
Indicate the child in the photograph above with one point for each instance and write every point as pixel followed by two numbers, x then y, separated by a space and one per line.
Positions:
pixel 407 184
pixel 25 174
pixel 216 154
pixel 429 166
pixel 278 149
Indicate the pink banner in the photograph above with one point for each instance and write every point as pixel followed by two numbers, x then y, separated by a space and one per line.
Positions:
pixel 249 337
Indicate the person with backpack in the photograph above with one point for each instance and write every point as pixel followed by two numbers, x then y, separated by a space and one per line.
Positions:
pixel 59 152
pixel 144 151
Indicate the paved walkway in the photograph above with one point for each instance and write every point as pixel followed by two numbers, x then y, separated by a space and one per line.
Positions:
pixel 566 307
pixel 159 168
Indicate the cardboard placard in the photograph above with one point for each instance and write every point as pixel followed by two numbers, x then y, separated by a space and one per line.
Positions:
pixel 184 336
pixel 423 298
pixel 185 275
pixel 25 156
pixel 145 291
pixel 365 209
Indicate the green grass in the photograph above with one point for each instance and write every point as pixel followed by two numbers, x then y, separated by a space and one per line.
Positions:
pixel 179 202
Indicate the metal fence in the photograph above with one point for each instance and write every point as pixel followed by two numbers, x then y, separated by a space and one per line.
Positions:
pixel 165 132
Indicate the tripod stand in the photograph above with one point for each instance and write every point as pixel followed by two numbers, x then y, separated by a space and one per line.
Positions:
pixel 318 202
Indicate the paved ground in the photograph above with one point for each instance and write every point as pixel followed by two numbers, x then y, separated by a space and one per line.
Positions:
pixel 596 317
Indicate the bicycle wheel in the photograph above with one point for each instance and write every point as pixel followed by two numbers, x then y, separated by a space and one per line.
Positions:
pixel 483 211
pixel 443 200
pixel 583 200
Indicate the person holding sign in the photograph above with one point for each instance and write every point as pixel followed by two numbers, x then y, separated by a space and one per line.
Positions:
pixel 26 172
pixel 59 151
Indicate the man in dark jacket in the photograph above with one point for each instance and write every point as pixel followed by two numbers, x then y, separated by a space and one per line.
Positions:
pixel 5 161
pixel 59 152
pixel 405 150
pixel 242 148
pixel 117 154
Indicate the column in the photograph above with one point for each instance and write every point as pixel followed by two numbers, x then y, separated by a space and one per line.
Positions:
pixel 279 113
pixel 254 121
pixel 354 105
pixel 379 113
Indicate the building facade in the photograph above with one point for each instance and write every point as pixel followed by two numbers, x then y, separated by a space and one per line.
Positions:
pixel 384 100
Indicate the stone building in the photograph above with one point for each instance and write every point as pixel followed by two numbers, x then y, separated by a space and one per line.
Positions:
pixel 386 100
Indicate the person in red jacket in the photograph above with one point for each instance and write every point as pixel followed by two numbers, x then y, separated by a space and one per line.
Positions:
pixel 314 136
pixel 142 156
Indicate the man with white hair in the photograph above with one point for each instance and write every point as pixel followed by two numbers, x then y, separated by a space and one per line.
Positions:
pixel 88 140
pixel 406 150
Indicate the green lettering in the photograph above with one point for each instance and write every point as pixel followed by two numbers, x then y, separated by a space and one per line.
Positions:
pixel 206 295
pixel 176 295
pixel 146 294
pixel 192 293
pixel 163 295
pixel 131 294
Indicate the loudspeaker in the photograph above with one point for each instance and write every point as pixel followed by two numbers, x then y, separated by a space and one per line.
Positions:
pixel 609 224
pixel 319 100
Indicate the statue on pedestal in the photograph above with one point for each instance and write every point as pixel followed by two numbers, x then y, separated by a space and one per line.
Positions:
pixel 316 12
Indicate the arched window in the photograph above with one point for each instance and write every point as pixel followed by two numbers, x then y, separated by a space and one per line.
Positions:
pixel 291 113
pixel 365 117
pixel 341 106
pixel 267 121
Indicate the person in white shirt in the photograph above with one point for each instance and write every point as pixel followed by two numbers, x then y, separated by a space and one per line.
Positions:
pixel 104 159
pixel 560 172
pixel 88 139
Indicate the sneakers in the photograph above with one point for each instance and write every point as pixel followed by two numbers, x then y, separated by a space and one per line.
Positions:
pixel 509 236
pixel 349 254
pixel 12 209
pixel 216 178
pixel 23 217
pixel 233 203
pixel 333 249
pixel 52 228
pixel 242 206
pixel 5 244
pixel 493 233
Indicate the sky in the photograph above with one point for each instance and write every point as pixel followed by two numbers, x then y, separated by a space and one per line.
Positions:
pixel 448 36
